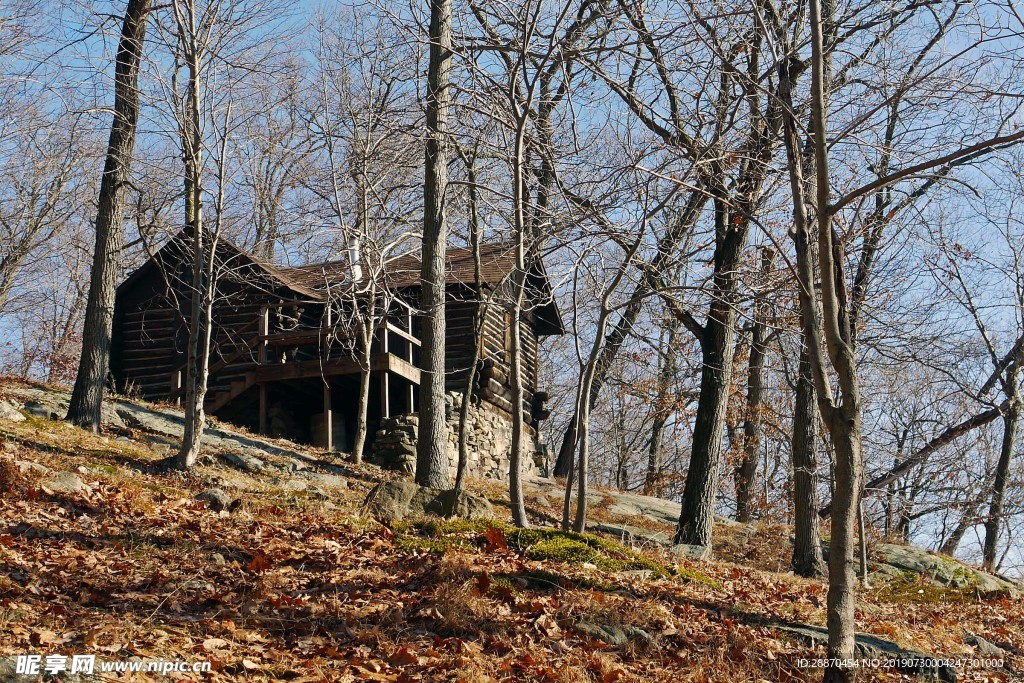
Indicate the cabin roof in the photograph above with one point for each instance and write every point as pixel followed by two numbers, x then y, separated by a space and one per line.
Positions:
pixel 497 262
pixel 233 257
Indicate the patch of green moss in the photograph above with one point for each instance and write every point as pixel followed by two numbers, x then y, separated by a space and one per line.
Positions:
pixel 546 580
pixel 908 589
pixel 690 575
pixel 436 527
pixel 544 545
pixel 553 545
pixel 418 544
pixel 569 551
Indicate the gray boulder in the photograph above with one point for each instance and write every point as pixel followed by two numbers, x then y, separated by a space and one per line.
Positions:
pixel 46 409
pixel 614 634
pixel 397 500
pixel 984 647
pixel 691 552
pixel 216 499
pixel 245 462
pixel 26 466
pixel 943 570
pixel 323 479
pixel 63 482
pixel 54 406
pixel 293 485
pixel 10 413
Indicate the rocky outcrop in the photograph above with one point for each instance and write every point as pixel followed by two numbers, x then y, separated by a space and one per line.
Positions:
pixel 397 500
pixel 10 412
pixel 63 482
pixel 942 570
pixel 162 425
pixel 217 499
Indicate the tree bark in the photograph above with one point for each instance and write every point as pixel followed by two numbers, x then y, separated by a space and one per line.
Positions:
pixel 87 396
pixel 363 397
pixel 993 521
pixel 746 472
pixel 480 310
pixel 700 492
pixel 204 249
pixel 808 560
pixel 432 446
pixel 515 474
pixel 662 408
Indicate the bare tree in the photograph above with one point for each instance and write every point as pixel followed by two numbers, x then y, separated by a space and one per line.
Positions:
pixel 431 448
pixel 746 470
pixel 87 395
pixel 360 125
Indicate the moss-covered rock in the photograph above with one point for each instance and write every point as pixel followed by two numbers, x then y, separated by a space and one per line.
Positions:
pixel 942 570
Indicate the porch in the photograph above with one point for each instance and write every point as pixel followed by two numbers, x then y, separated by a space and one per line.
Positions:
pixel 293 372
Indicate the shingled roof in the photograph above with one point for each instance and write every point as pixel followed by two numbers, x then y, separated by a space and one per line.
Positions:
pixel 497 262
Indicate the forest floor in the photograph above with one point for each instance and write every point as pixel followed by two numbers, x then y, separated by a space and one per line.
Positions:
pixel 103 554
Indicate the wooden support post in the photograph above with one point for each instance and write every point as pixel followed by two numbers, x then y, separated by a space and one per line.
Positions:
pixel 410 356
pixel 328 418
pixel 263 409
pixel 176 384
pixel 264 325
pixel 385 394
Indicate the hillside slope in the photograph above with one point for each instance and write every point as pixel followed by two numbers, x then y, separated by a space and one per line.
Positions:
pixel 260 563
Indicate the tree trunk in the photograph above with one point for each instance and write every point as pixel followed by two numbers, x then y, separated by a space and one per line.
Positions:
pixel 655 446
pixel 515 474
pixel 746 471
pixel 479 311
pixel 968 520
pixel 363 397
pixel 842 583
pixel 662 408
pixel 808 560
pixel 579 524
pixel 198 355
pixel 87 396
pixel 203 256
pixel 696 520
pixel 432 446
pixel 995 511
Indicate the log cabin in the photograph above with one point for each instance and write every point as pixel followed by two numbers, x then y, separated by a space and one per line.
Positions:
pixel 282 357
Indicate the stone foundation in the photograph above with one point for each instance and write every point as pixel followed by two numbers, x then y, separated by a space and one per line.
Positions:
pixel 489 443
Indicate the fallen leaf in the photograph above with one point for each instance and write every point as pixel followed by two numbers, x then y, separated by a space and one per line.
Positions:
pixel 547 625
pixel 495 540
pixel 211 644
pixel 403 656
pixel 258 564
